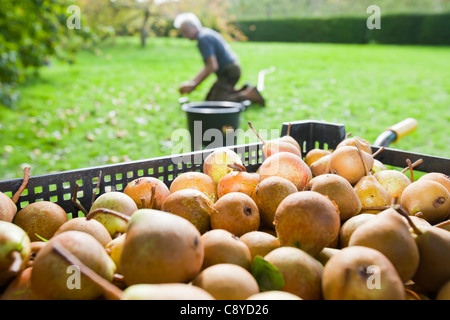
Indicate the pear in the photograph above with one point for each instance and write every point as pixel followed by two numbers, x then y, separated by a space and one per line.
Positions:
pixel 160 247
pixel 268 194
pixel 221 246
pixel 260 243
pixel 147 192
pixel 315 154
pixel 165 291
pixel 195 180
pixel 19 287
pixel 288 138
pixel 434 247
pixel 284 144
pixel 393 181
pixel 438 177
pixel 8 206
pixel 389 234
pixel 302 273
pixel 14 251
pixel 321 166
pixel 361 273
pixel 56 276
pixel 428 197
pixel 119 202
pixel 349 226
pixel 114 250
pixel 286 165
pixel 238 180
pixel 93 227
pixel 444 292
pixel 346 162
pixel 216 163
pixel 40 219
pixel 307 220
pixel 339 190
pixel 377 166
pixel 226 281
pixel 352 141
pixel 274 295
pixel 370 192
pixel 192 205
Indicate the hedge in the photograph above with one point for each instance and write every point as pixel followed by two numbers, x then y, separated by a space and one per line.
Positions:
pixel 411 29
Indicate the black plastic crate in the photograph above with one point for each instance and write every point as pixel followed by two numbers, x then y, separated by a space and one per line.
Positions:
pixel 59 187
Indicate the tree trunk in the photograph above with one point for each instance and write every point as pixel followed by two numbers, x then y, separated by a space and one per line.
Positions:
pixel 144 27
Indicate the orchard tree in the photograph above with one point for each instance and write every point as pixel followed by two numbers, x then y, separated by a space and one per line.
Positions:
pixel 31 32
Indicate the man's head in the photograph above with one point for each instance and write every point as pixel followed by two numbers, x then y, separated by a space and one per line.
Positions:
pixel 188 24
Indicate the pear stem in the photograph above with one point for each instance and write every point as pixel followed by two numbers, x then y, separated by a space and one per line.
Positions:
pixel 26 178
pixel 415 164
pixel 289 130
pixel 120 215
pixel 378 152
pixel 362 158
pixel 237 166
pixel 77 202
pixel 415 295
pixel 442 224
pixel 347 135
pixel 403 212
pixel 253 129
pixel 152 198
pixel 410 170
pixel 110 291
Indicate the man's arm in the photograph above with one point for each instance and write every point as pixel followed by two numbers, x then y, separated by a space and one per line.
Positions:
pixel 211 66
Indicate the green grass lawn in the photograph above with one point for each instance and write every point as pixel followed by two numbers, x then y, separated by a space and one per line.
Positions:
pixel 122 102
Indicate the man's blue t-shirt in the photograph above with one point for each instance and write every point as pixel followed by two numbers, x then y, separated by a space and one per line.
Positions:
pixel 212 43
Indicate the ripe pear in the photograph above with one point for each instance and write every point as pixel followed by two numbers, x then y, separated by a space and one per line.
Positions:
pixel 226 281
pixel 8 206
pixel 238 180
pixel 260 243
pixel 377 166
pixel 117 201
pixel 19 287
pixel 14 250
pixel 221 246
pixel 393 181
pixel 195 180
pixel 351 141
pixel 274 295
pixel 283 144
pixel 349 226
pixel 141 191
pixel 428 197
pixel 444 292
pixel 160 247
pixel 55 278
pixel 307 220
pixel 361 273
pixel 372 194
pixel 438 177
pixel 434 266
pixel 339 190
pixel 286 165
pixel 268 194
pixel 192 205
pixel 321 166
pixel 315 154
pixel 389 234
pixel 93 227
pixel 302 273
pixel 40 219
pixel 237 213
pixel 346 162
pixel 165 291
pixel 216 163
